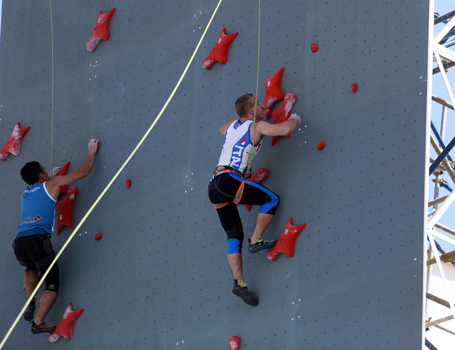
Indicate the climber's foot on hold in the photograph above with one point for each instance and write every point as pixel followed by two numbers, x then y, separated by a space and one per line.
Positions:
pixel 29 313
pixel 42 328
pixel 245 293
pixel 261 245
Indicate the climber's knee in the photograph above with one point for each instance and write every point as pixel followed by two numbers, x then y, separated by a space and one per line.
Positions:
pixel 233 246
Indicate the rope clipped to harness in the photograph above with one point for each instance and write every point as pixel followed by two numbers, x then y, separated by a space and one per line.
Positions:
pixel 248 171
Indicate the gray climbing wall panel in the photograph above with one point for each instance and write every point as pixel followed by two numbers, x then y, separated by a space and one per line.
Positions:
pixel 159 278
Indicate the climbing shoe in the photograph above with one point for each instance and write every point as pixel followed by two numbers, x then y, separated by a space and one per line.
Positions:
pixel 41 328
pixel 261 244
pixel 29 313
pixel 245 293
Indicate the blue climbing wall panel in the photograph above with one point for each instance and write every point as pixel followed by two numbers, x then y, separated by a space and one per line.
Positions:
pixel 159 277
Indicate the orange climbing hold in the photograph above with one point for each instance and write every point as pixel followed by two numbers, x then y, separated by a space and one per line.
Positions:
pixel 259 176
pixel 273 92
pixel 13 145
pixel 234 343
pixel 65 209
pixel 220 51
pixel 65 327
pixel 282 113
pixel 286 243
pixel 101 31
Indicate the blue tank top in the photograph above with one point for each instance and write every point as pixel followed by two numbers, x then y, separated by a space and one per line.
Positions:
pixel 38 210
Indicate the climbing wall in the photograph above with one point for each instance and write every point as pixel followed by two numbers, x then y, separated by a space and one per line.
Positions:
pixel 159 277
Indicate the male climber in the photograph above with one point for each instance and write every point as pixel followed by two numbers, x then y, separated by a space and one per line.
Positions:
pixel 228 187
pixel 32 245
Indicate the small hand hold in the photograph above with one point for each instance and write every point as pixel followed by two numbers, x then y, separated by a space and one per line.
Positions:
pixel 321 145
pixel 98 236
pixel 353 88
pixel 314 48
pixel 128 184
pixel 234 343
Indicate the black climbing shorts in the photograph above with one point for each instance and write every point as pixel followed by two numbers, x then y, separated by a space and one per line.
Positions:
pixel 35 252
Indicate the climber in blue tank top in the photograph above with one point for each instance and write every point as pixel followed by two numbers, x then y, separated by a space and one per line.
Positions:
pixel 38 210
pixel 228 187
pixel 32 246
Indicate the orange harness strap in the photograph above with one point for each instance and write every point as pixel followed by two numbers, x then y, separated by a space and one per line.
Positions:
pixel 238 195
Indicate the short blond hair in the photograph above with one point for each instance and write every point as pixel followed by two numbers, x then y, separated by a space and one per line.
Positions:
pixel 243 104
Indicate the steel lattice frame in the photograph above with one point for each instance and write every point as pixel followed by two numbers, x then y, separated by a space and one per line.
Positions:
pixel 445 58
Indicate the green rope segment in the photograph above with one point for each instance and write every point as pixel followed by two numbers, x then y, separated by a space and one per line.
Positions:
pixel 112 180
pixel 251 155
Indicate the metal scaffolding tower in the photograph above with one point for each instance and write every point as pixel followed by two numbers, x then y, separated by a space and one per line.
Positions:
pixel 443 59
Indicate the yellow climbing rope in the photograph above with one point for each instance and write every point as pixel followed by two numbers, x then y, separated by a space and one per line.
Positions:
pixel 112 181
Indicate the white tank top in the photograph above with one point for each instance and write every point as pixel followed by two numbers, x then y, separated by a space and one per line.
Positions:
pixel 238 145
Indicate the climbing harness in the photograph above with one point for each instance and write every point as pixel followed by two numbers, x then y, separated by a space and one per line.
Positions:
pixel 239 194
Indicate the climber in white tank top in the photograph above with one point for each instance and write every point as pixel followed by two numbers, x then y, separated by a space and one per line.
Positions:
pixel 238 146
pixel 228 187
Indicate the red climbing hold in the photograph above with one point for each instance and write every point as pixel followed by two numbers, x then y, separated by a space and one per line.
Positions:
pixel 234 343
pixel 259 176
pixel 321 145
pixel 128 184
pixel 273 92
pixel 98 236
pixel 101 30
pixel 65 209
pixel 286 242
pixel 314 48
pixel 353 88
pixel 64 169
pixel 282 113
pixel 65 327
pixel 220 52
pixel 13 145
pixel 62 172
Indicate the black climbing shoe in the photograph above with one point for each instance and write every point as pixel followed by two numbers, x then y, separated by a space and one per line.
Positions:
pixel 29 313
pixel 261 244
pixel 245 293
pixel 42 328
